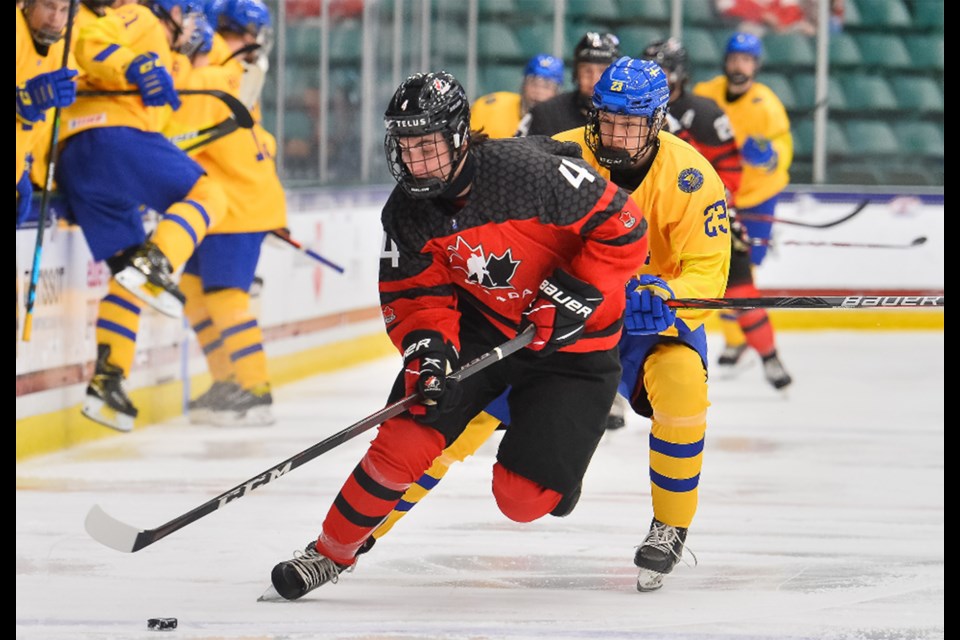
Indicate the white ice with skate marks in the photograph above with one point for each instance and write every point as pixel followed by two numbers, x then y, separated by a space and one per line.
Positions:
pixel 821 516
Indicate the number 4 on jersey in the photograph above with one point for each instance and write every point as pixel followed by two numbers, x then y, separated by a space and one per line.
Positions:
pixel 390 251
pixel 574 173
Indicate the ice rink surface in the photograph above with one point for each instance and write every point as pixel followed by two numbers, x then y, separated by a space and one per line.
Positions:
pixel 821 516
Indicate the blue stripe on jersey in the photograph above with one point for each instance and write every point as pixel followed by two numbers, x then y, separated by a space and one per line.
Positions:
pixel 106 53
pixel 237 328
pixel 243 353
pixel 184 224
pixel 124 304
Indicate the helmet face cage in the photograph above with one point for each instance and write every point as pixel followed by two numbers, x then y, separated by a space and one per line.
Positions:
pixel 629 87
pixel 672 57
pixel 183 29
pixel 425 104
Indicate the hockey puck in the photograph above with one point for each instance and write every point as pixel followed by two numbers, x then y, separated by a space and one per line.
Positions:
pixel 162 624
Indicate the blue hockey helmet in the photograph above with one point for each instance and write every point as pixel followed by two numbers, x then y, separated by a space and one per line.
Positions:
pixel 212 10
pixel 629 87
pixel 545 66
pixel 244 16
pixel 189 10
pixel 747 43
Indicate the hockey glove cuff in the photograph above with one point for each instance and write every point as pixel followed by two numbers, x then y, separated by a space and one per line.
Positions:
pixel 560 311
pixel 759 153
pixel 153 80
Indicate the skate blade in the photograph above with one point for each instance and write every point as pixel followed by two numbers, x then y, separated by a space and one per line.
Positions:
pixel 160 299
pixel 256 417
pixel 271 595
pixel 648 580
pixel 100 412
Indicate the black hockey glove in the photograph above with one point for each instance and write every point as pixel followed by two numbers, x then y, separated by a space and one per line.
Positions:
pixel 560 311
pixel 427 360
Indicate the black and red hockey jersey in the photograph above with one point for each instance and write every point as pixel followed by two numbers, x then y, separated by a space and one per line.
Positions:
pixel 534 206
pixel 704 125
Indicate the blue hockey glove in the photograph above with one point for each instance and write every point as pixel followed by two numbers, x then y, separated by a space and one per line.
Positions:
pixel 154 81
pixel 24 196
pixel 647 313
pixel 54 89
pixel 759 153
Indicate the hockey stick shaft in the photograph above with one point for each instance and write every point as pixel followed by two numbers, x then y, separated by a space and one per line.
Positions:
pixel 192 140
pixel 916 242
pixel 853 301
pixel 47 188
pixel 284 235
pixel 766 217
pixel 237 108
pixel 118 535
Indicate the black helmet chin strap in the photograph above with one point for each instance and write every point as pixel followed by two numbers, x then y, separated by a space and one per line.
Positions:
pixel 462 180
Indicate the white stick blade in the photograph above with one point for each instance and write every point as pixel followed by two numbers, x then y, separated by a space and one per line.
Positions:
pixel 109 531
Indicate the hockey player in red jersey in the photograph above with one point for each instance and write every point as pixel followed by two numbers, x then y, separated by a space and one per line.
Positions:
pixel 703 123
pixel 481 239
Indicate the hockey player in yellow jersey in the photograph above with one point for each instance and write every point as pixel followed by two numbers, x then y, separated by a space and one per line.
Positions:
pixel 218 277
pixel 663 353
pixel 42 84
pixel 762 130
pixel 116 164
pixel 498 114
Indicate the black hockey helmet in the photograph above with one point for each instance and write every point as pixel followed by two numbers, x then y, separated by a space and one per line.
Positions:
pixel 596 48
pixel 427 103
pixel 672 57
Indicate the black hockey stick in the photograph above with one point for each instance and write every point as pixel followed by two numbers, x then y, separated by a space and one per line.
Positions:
pixel 284 234
pixel 852 301
pixel 47 188
pixel 118 535
pixel 239 111
pixel 195 139
pixel 766 217
pixel 916 242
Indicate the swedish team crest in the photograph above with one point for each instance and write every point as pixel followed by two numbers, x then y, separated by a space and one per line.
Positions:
pixel 690 180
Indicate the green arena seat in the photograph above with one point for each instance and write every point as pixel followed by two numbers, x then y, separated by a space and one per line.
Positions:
pixel 871 137
pixel 844 51
pixel 537 38
pixel 886 51
pixel 868 93
pixel 500 77
pixel 922 138
pixel 803 138
pixel 804 85
pixel 603 10
pixel 928 14
pixel 926 52
pixel 701 14
pixel 303 43
pixel 449 40
pixel 645 10
pixel 701 47
pixel 884 14
pixel 633 40
pixel 497 42
pixel 781 86
pixel 346 41
pixel 788 49
pixel 917 93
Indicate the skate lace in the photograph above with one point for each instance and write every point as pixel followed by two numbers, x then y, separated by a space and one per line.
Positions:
pixel 664 537
pixel 315 569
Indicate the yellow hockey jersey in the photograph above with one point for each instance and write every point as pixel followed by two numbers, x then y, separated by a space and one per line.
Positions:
pixel 757 113
pixel 683 200
pixel 30 63
pixel 498 114
pixel 105 47
pixel 242 162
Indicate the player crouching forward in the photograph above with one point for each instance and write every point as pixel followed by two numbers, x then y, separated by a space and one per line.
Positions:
pixel 479 233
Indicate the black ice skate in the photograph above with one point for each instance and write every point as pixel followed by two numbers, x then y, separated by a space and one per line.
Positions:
pixel 308 570
pixel 200 408
pixel 658 555
pixel 731 355
pixel 243 407
pixel 106 402
pixel 775 373
pixel 149 276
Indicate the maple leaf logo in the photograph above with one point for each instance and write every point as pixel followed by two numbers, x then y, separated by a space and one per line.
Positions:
pixel 488 271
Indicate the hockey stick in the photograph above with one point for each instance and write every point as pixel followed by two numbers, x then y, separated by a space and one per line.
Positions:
pixel 284 234
pixel 766 217
pixel 239 111
pixel 47 188
pixel 853 301
pixel 916 242
pixel 195 139
pixel 118 535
